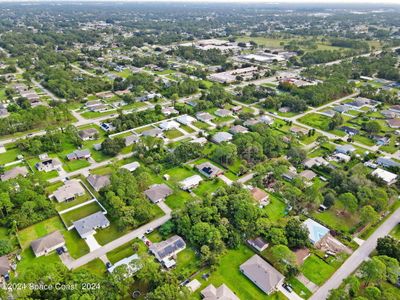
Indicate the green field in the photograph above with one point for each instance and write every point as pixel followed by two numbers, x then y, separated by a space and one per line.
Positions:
pixel 275 209
pixel 75 245
pixel 396 232
pixel 228 272
pixel 173 134
pixel 81 212
pixel 316 270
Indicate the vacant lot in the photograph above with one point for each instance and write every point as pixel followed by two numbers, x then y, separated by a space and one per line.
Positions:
pixel 316 269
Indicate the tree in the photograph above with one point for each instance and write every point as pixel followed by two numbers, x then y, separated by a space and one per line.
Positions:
pixel 277 236
pixel 225 153
pixel 368 215
pixel 349 202
pixel 112 146
pixel 283 258
pixel 5 247
pixel 392 268
pixel 296 234
pixel 372 127
pixel 373 270
pixel 336 120
pixel 389 246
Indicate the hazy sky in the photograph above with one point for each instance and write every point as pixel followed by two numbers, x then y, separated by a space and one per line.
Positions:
pixel 243 1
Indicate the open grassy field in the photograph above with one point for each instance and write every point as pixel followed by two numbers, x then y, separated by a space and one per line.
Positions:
pixel 173 134
pixel 79 213
pixel 316 270
pixel 320 122
pixel 126 250
pixel 275 209
pixel 228 272
pixel 75 245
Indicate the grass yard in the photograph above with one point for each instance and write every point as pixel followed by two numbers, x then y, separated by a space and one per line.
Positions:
pixel 396 232
pixel 125 250
pixel 319 121
pixel 9 156
pixel 299 288
pixel 172 134
pixel 334 219
pixel 79 213
pixel 187 263
pixel 316 270
pixel 275 209
pixel 200 125
pixel 228 272
pixel 76 164
pixel 96 267
pixel 208 187
pixel 188 129
pixel 75 245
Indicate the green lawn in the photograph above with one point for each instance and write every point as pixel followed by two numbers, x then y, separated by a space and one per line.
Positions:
pixel 228 272
pixel 396 232
pixel 188 129
pixel 75 245
pixel 299 288
pixel 81 212
pixel 320 122
pixel 187 263
pixel 124 251
pixel 96 267
pixel 200 125
pixel 208 187
pixel 334 219
pixel 173 134
pixel 78 200
pixel 316 270
pixel 76 164
pixel 9 156
pixel 275 209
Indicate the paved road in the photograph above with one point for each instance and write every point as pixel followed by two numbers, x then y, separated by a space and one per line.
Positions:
pixel 358 256
pixel 137 233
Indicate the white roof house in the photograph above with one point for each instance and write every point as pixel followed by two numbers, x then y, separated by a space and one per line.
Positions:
pixel 126 261
pixel 131 166
pixel 315 230
pixel 388 177
pixel 185 119
pixel 169 125
pixel 266 119
pixel 190 182
pixel 221 137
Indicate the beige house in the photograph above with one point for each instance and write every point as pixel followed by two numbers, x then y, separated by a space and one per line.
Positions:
pixel 45 245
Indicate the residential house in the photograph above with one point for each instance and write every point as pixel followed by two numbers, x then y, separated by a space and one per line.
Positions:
pixel 167 111
pixel 190 182
pixel 289 175
pixel 349 130
pixel 158 192
pixel 381 140
pixel 345 149
pixel 308 175
pixel 262 274
pixel 341 157
pixel 209 170
pixel 388 177
pixel 223 113
pixel 204 117
pixel 238 129
pixel 69 191
pixel 393 123
pixel 92 103
pixel 236 109
pixel 315 161
pixel 127 261
pixel 260 196
pixel 169 125
pixel 341 108
pixel 185 119
pixel 266 120
pixel 316 231
pixel 154 132
pixel 13 173
pixel 131 166
pixel 221 137
pixel 165 251
pixel 98 181
pixel 79 154
pixel 88 134
pixel 200 140
pixel 251 122
pixel 131 139
pixel 388 114
pixel 49 164
pixel 45 245
pixel 299 130
pixel 387 162
pixel 258 243
pixel 87 226
pixel 220 293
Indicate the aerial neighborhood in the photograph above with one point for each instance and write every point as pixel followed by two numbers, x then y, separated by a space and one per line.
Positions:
pixel 168 151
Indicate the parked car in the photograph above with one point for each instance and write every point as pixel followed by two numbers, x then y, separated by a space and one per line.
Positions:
pixel 287 287
pixel 108 265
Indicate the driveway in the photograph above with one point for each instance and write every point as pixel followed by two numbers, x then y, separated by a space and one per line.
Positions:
pixel 358 256
pixel 92 243
pixel 290 296
pixel 137 233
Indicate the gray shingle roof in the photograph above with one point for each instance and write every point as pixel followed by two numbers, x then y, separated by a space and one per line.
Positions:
pixel 91 222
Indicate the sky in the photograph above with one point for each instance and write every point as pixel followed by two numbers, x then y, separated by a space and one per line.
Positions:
pixel 236 1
